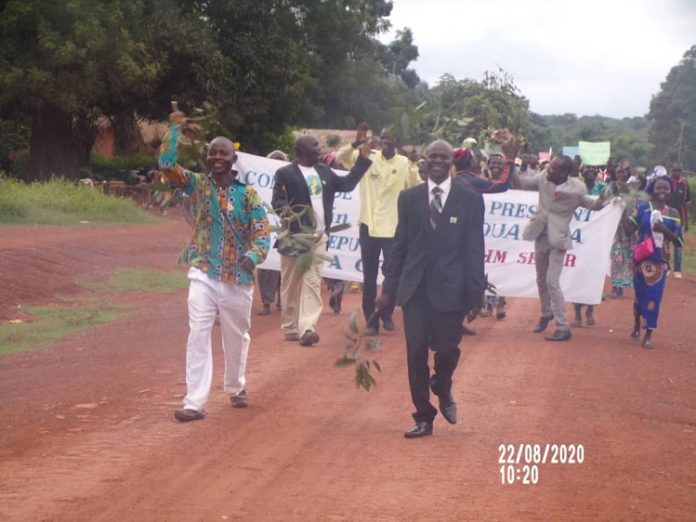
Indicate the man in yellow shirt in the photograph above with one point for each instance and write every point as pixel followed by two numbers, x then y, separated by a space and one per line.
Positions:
pixel 389 174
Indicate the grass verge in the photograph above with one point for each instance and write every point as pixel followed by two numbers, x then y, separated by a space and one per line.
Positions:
pixel 54 322
pixel 51 323
pixel 689 252
pixel 61 202
pixel 139 280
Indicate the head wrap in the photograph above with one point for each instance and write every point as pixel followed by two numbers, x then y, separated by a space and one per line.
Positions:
pixel 659 171
pixel 461 157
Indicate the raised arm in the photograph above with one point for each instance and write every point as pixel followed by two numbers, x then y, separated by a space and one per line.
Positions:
pixel 170 170
pixel 349 182
pixel 518 182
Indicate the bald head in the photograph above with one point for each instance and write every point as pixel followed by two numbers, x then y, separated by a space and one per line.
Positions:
pixel 221 157
pixel 307 150
pixel 438 160
pixel 222 141
pixel 442 144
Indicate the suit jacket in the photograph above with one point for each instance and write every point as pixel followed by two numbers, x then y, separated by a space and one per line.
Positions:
pixel 555 209
pixel 448 260
pixel 290 189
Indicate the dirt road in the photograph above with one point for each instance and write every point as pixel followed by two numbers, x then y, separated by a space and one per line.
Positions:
pixel 88 432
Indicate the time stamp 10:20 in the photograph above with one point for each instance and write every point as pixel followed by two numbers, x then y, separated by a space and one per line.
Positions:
pixel 520 463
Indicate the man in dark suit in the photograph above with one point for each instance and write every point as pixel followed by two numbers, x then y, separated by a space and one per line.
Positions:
pixel 437 274
pixel 308 187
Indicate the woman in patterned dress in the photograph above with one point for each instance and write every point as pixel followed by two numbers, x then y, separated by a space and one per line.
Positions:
pixel 621 253
pixel 660 223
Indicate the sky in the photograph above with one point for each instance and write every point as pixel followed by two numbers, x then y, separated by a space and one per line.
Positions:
pixel 585 57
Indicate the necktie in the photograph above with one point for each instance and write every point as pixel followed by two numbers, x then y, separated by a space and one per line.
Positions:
pixel 435 207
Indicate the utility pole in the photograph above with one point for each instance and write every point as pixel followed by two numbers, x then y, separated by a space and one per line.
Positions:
pixel 681 143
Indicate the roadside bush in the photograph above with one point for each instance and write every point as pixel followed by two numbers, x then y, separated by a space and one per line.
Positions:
pixel 60 202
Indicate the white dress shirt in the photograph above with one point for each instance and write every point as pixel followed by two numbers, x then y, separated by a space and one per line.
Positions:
pixel 445 187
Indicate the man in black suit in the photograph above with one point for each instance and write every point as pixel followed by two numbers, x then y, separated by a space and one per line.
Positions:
pixel 437 273
pixel 308 187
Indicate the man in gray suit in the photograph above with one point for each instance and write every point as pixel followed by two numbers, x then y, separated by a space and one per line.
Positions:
pixel 559 197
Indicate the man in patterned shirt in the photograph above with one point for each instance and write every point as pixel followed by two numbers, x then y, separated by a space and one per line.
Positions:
pixel 231 236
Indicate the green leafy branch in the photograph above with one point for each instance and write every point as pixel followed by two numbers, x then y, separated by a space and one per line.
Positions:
pixel 300 244
pixel 358 352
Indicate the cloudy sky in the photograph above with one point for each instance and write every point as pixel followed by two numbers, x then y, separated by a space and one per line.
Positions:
pixel 589 57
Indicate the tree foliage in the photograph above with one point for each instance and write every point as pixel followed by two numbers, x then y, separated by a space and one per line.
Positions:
pixel 267 65
pixel 68 64
pixel 672 114
pixel 456 109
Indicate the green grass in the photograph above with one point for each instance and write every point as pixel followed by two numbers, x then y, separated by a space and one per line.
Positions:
pixel 689 251
pixel 61 202
pixel 52 323
pixel 139 280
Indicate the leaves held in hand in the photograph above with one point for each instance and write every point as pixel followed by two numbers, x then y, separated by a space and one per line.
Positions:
pixel 301 241
pixel 355 353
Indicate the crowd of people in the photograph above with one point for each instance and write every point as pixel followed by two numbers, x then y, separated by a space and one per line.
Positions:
pixel 421 220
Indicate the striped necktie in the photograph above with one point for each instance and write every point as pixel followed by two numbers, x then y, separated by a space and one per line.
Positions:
pixel 435 207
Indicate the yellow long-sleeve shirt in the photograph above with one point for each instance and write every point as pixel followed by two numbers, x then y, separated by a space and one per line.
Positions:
pixel 380 188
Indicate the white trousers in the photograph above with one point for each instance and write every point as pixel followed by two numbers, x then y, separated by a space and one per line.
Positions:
pixel 206 298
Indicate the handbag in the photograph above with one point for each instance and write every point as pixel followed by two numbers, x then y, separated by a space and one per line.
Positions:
pixel 643 249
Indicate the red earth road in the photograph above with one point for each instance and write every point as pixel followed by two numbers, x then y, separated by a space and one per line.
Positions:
pixel 88 432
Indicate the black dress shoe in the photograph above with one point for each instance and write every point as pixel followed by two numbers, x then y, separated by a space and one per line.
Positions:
pixel 371 331
pixel 559 335
pixel 542 324
pixel 188 415
pixel 388 324
pixel 421 429
pixel 309 338
pixel 448 408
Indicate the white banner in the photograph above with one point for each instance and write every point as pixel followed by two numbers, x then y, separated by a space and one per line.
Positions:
pixel 509 259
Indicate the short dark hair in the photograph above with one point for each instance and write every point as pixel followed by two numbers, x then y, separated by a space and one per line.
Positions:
pixel 567 164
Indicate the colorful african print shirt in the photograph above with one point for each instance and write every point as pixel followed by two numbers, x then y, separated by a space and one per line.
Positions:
pixel 230 222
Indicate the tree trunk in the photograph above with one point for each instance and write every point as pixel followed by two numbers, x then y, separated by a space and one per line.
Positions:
pixel 51 148
pixel 127 137
pixel 85 130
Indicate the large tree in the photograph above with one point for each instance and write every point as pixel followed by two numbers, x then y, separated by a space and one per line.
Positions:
pixel 58 60
pixel 306 63
pixel 673 114
pixel 70 65
pixel 265 64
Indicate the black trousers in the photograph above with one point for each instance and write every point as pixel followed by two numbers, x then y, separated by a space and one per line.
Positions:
pixel 370 249
pixel 427 328
pixel 269 284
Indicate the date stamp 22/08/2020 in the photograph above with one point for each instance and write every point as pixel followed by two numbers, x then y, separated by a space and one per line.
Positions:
pixel 519 463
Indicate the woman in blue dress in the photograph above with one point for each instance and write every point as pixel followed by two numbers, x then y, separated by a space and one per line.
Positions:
pixel 650 220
